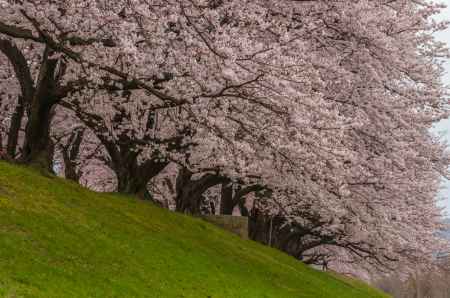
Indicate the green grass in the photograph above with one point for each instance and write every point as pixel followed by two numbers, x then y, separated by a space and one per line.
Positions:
pixel 58 239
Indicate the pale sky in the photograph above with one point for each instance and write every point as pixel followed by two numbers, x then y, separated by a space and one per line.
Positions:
pixel 444 126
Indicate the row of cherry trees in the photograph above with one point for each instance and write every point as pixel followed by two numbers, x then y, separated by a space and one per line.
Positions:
pixel 313 114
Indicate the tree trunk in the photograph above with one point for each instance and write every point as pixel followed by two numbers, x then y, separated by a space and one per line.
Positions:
pixel 70 170
pixel 190 192
pixel 23 75
pixel 133 177
pixel 226 199
pixel 38 127
pixel 14 129
pixel 258 227
pixel 3 154
pixel 128 183
pixel 184 198
pixel 189 201
pixel 230 199
pixel 128 178
pixel 243 209
pixel 70 154
pixel 37 143
pixel 265 229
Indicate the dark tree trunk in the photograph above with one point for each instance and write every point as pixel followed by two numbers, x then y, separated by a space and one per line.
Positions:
pixel 190 192
pixel 133 177
pixel 37 143
pixel 23 75
pixel 128 183
pixel 230 199
pixel 128 178
pixel 70 170
pixel 50 153
pixel 258 227
pixel 37 131
pixel 70 153
pixel 146 172
pixel 265 229
pixel 3 154
pixel 243 209
pixel 293 240
pixel 14 128
pixel 189 201
pixel 226 199
pixel 184 199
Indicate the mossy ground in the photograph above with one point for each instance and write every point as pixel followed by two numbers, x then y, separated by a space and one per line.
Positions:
pixel 58 239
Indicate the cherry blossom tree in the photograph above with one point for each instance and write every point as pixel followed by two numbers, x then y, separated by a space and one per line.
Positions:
pixel 196 85
pixel 323 106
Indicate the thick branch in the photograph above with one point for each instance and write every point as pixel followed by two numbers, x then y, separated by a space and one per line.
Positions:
pixel 21 68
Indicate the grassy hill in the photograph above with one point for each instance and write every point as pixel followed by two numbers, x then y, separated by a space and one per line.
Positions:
pixel 58 239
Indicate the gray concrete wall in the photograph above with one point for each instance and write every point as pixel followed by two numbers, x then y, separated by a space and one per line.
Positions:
pixel 235 224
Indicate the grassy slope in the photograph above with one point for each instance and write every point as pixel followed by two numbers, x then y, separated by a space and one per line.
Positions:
pixel 60 240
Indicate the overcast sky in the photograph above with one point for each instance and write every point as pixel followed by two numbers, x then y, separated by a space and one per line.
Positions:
pixel 444 126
